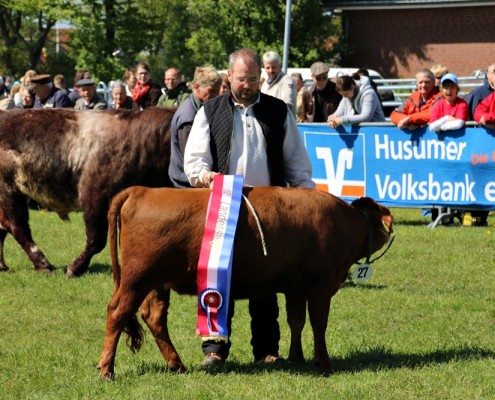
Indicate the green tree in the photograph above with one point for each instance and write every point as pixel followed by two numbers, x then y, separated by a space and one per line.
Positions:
pixel 24 28
pixel 108 35
pixel 221 27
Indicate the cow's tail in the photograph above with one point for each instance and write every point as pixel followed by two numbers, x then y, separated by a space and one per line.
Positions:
pixel 133 330
pixel 113 233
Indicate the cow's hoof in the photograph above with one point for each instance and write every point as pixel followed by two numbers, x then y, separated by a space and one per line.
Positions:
pixel 327 371
pixel 46 268
pixel 107 377
pixel 179 369
pixel 3 268
pixel 72 274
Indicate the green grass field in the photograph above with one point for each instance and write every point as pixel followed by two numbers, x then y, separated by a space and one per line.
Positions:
pixel 421 328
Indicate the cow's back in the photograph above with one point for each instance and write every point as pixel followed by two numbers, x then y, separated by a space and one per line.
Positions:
pixel 305 231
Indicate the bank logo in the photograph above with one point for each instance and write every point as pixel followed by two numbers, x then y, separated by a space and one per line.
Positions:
pixel 338 162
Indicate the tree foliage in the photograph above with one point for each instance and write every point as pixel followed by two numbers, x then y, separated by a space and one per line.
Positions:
pixel 24 28
pixel 108 35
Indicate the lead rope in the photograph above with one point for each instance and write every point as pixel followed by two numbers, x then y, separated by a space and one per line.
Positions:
pixel 265 253
pixel 370 241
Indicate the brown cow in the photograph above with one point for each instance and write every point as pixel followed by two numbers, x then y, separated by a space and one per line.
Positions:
pixel 70 160
pixel 312 240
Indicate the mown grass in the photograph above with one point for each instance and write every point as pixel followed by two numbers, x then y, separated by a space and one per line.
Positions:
pixel 421 328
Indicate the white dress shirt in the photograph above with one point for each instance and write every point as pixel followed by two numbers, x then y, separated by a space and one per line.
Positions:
pixel 248 155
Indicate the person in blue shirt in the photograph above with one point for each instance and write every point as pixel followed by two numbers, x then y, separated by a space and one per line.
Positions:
pixel 47 95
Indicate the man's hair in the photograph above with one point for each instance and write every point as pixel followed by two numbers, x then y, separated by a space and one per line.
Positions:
pixel 244 54
pixel 297 76
pixel 59 79
pixel 271 56
pixel 207 76
pixel 176 72
pixel 426 72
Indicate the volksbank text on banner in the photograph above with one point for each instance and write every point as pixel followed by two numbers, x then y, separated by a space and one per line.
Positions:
pixel 397 168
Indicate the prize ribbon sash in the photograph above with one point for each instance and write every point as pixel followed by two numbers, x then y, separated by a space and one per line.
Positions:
pixel 215 258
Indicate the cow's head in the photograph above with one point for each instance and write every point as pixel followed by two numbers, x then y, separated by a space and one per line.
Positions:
pixel 380 219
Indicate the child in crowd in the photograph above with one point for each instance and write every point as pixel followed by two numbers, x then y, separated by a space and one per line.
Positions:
pixel 451 112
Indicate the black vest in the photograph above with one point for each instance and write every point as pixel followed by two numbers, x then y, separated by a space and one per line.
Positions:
pixel 270 113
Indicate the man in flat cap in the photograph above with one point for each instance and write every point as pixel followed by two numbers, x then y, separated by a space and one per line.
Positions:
pixel 89 99
pixel 322 99
pixel 47 95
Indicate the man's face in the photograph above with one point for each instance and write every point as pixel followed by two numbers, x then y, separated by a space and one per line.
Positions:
pixel 425 85
pixel 204 93
pixel 172 79
pixel 320 80
pixel 245 81
pixel 272 69
pixel 87 92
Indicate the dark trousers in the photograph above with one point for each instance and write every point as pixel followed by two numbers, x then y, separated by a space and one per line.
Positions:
pixel 265 330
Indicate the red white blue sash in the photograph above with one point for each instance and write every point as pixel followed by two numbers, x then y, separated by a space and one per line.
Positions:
pixel 215 259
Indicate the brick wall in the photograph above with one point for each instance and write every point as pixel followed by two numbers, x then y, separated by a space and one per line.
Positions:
pixel 397 43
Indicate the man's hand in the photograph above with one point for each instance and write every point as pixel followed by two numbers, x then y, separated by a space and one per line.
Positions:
pixel 403 123
pixel 208 178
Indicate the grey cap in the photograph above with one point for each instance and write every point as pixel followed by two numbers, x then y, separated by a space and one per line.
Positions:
pixel 319 68
pixel 85 82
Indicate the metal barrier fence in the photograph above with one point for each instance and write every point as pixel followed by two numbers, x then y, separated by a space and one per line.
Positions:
pixel 399 89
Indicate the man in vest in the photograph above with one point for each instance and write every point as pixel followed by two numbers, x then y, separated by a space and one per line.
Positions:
pixel 245 132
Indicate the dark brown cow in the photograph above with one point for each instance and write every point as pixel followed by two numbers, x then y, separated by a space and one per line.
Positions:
pixel 312 240
pixel 70 160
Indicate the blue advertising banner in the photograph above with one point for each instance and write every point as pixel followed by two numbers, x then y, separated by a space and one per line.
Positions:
pixel 396 168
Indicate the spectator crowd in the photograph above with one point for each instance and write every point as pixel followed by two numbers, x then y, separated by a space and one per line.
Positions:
pixel 236 124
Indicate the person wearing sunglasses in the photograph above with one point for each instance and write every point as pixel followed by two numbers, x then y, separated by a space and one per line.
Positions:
pixel 322 99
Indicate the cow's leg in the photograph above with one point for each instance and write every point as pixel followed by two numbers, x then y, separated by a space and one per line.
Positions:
pixel 154 311
pixel 14 219
pixel 121 314
pixel 95 220
pixel 296 317
pixel 319 308
pixel 3 265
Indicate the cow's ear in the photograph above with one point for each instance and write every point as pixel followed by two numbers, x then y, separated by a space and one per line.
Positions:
pixel 387 221
pixel 366 202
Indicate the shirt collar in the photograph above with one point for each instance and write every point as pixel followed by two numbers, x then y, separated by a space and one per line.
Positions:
pixel 239 105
